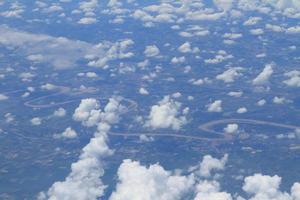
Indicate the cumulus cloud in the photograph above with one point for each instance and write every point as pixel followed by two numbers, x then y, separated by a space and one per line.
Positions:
pixel 264 76
pixel 215 106
pixel 231 128
pixel 294 78
pixel 143 91
pixel 68 133
pixel 166 114
pixel 210 164
pixel 267 187
pixel 136 182
pixel 36 121
pixel 60 112
pixel 151 51
pixel 84 180
pixel 210 190
pixel 229 75
pixel 61 52
pixel 3 97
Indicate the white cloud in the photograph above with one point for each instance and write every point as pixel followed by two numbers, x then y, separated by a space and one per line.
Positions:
pixel 215 106
pixel 279 100
pixel 264 187
pixel 167 114
pixel 242 110
pixel 48 86
pixel 3 97
pixel 36 121
pixel 145 138
pixel 143 91
pixel 151 51
pixel 60 112
pixel 210 190
pixel 235 94
pixel 68 133
pixel 84 180
pixel 261 102
pixel 294 78
pixel 257 31
pixel 136 182
pixel 231 128
pixel 185 48
pixel 264 76
pixel 229 75
pixel 223 4
pixel 210 164
pixel 87 20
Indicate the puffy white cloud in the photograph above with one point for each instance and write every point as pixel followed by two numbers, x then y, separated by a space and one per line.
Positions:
pixel 295 191
pixel 231 128
pixel 235 94
pixel 264 76
pixel 143 91
pixel 36 121
pixel 210 190
pixel 293 30
pixel 264 187
pixel 136 182
pixel 252 21
pixel 84 180
pixel 210 164
pixel 145 138
pixel 279 100
pixel 257 31
pixel 60 112
pixel 118 50
pixel 167 114
pixel 229 75
pixel 151 51
pixel 215 106
pixel 223 4
pixel 294 78
pixel 69 133
pixel 261 102
pixel 3 97
pixel 87 20
pixel 242 110
pixel 88 112
pixel 48 86
pixel 185 48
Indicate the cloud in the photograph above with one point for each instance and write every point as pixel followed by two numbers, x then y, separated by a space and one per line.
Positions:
pixel 87 20
pixel 143 91
pixel 166 114
pixel 264 187
pixel 231 128
pixel 36 121
pixel 185 48
pixel 84 180
pixel 68 133
pixel 3 97
pixel 215 106
pixel 210 190
pixel 151 51
pixel 61 52
pixel 294 78
pixel 264 76
pixel 223 4
pixel 60 112
pixel 210 164
pixel 136 182
pixel 229 75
